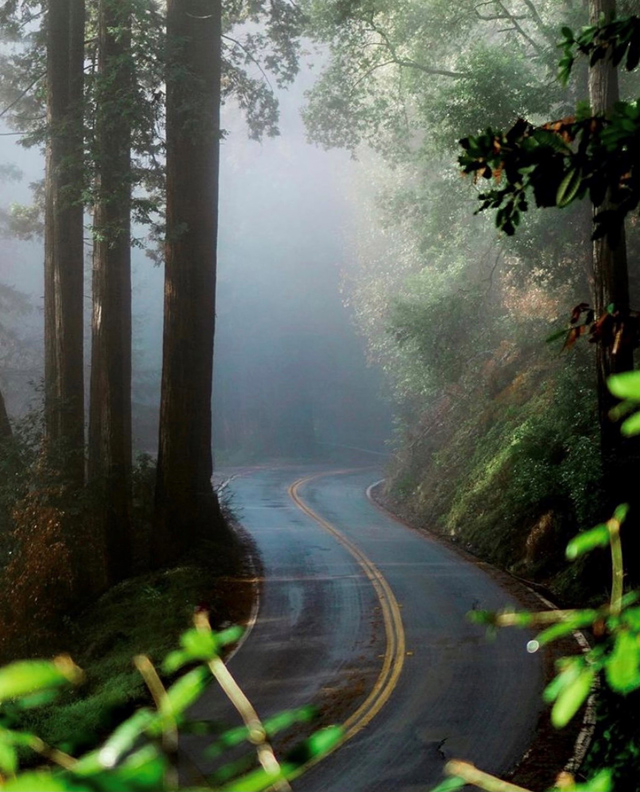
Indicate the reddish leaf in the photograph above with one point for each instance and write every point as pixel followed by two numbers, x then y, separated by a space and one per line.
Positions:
pixel 578 311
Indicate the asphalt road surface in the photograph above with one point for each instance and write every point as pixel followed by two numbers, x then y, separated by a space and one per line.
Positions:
pixel 366 618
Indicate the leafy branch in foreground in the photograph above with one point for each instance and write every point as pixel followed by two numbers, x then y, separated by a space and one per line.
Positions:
pixel 564 160
pixel 559 162
pixel 616 655
pixel 141 754
pixel 615 39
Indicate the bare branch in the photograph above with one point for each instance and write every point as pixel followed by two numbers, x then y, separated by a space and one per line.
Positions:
pixel 241 46
pixel 409 63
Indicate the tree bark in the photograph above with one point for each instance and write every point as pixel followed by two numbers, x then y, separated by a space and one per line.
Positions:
pixel 610 271
pixel 110 406
pixel 6 433
pixel 620 456
pixel 186 506
pixel 64 251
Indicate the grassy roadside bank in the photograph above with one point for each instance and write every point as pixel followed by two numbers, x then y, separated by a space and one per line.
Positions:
pixel 143 615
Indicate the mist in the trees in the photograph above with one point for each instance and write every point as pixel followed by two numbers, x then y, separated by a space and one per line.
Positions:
pixel 290 377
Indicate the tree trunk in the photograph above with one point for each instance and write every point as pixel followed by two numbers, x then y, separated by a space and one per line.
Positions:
pixel 6 432
pixel 110 409
pixel 64 245
pixel 611 279
pixel 620 456
pixel 186 506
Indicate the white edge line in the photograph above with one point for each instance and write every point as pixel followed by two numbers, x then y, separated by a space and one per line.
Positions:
pixel 583 740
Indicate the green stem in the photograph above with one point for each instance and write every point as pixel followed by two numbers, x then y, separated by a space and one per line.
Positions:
pixel 257 732
pixel 617 571
pixel 469 773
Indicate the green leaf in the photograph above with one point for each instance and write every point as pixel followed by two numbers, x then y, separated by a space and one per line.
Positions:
pixel 571 698
pixel 183 693
pixel 569 187
pixel 587 541
pixel 621 668
pixel 317 745
pixel 323 741
pixel 450 785
pixel 29 676
pixel 482 617
pixel 180 696
pixel 42 781
pixel 555 336
pixel 230 636
pixel 175 660
pixel 631 426
pixel 570 670
pixel 621 512
pixel 625 386
pixel 120 741
pixel 39 699
pixel 199 644
pixel 8 757
pixel 602 782
pixel 143 771
pixel 580 620
pixel 272 726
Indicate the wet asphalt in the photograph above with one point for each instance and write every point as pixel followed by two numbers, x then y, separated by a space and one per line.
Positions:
pixel 319 638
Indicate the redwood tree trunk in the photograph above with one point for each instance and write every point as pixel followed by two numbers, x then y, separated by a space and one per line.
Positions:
pixel 110 409
pixel 620 457
pixel 6 432
pixel 186 506
pixel 610 272
pixel 64 364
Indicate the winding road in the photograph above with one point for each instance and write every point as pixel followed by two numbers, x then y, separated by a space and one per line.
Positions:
pixel 366 618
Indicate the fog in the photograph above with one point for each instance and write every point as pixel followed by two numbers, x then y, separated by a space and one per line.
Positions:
pixel 291 377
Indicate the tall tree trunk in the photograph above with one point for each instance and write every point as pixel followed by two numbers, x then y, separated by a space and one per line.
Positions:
pixel 110 408
pixel 6 432
pixel 64 246
pixel 610 272
pixel 186 506
pixel 620 457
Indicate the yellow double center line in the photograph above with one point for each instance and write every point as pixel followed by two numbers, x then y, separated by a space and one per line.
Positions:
pixel 395 641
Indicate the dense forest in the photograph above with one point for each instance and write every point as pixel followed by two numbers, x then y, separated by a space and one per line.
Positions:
pixel 478 247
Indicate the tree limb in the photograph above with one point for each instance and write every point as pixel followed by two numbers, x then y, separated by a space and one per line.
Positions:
pixel 408 62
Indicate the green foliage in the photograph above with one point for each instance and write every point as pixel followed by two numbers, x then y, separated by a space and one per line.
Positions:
pixel 381 87
pixel 516 471
pixel 563 161
pixel 497 86
pixel 140 753
pixel 261 43
pixel 614 40
pixel 627 388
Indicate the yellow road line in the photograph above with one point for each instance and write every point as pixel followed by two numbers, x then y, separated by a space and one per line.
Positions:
pixel 394 631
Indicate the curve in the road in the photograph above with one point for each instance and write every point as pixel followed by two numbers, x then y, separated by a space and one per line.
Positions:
pixel 324 637
pixel 394 631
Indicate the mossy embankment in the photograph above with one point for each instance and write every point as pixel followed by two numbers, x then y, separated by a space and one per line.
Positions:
pixel 143 615
pixel 509 468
